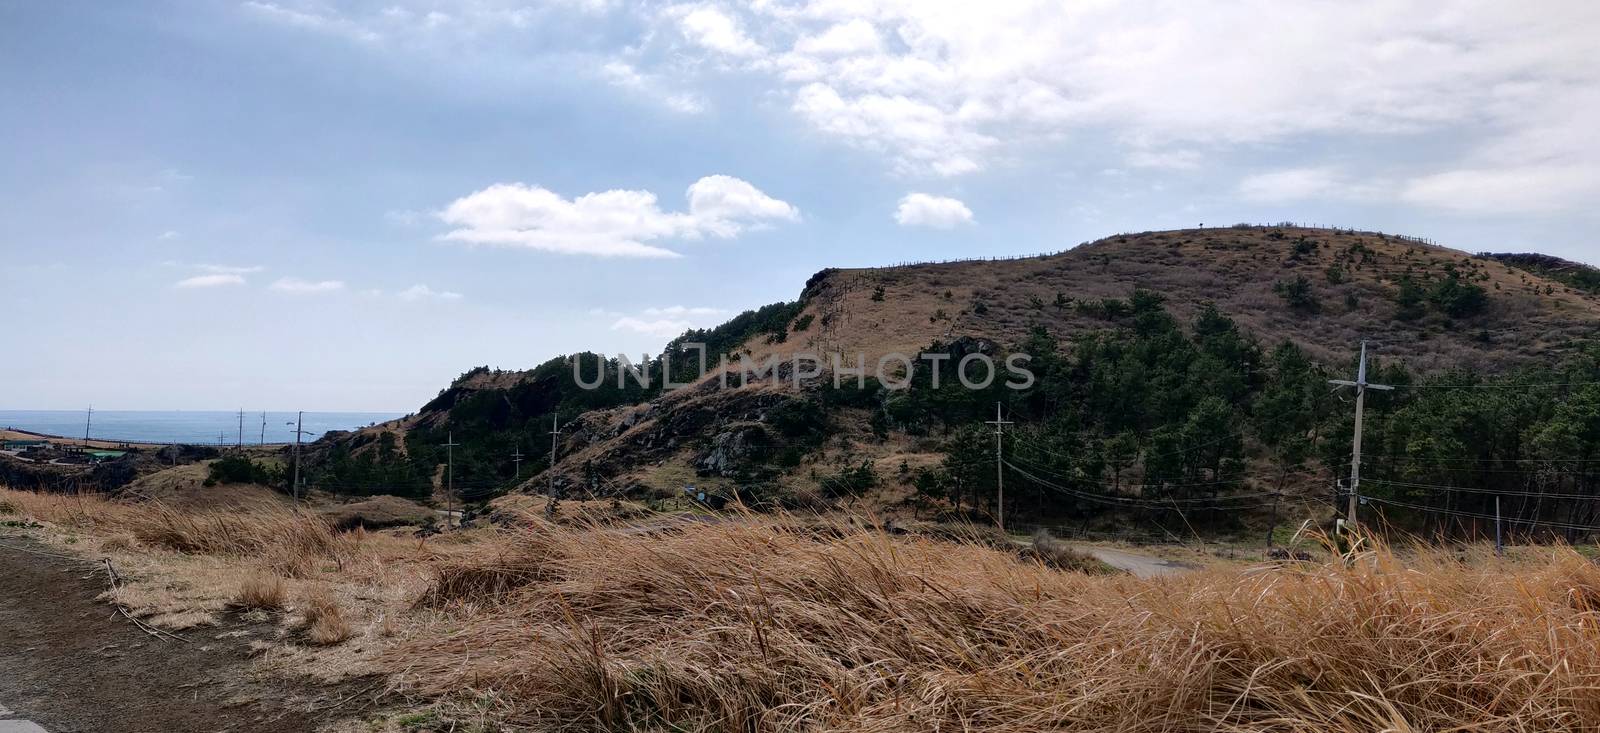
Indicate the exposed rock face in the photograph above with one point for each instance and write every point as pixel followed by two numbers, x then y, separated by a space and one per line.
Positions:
pixel 729 450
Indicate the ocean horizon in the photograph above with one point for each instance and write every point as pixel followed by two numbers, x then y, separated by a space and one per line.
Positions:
pixel 194 427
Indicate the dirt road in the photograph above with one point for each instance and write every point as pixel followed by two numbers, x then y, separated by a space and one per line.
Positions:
pixel 1140 565
pixel 71 664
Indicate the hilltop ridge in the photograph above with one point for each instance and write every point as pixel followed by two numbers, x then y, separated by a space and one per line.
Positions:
pixel 1168 311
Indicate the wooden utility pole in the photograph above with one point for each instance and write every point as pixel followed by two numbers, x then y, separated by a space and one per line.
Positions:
pixel 555 431
pixel 298 423
pixel 241 428
pixel 1361 386
pixel 999 470
pixel 450 478
pixel 87 421
pixel 1499 542
pixel 516 460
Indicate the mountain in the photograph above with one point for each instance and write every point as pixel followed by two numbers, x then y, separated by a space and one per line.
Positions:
pixel 1146 342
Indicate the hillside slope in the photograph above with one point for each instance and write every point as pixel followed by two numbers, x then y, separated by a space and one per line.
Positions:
pixel 1202 343
pixel 1527 316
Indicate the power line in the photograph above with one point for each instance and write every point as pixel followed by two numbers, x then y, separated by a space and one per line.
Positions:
pixel 1219 482
pixel 1470 490
pixel 1489 460
pixel 1510 385
pixel 1218 501
pixel 1475 515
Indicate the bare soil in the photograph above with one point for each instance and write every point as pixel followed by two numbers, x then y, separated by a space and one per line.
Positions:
pixel 72 663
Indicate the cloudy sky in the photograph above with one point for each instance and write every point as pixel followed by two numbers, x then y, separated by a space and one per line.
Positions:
pixel 294 204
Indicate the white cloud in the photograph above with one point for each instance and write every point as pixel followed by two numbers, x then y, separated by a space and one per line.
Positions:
pixel 679 310
pixel 949 88
pixel 230 269
pixel 623 75
pixel 921 135
pixel 423 292
pixel 299 286
pixel 314 20
pixel 660 327
pixel 215 275
pixel 1534 189
pixel 724 206
pixel 855 36
pixel 210 281
pixel 615 223
pixel 664 322
pixel 715 30
pixel 169 234
pixel 926 210
pixel 1299 184
pixel 1166 159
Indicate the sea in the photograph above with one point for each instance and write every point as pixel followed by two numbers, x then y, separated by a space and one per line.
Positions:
pixel 194 427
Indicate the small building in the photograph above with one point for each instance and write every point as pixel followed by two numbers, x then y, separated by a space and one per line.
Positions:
pixel 16 446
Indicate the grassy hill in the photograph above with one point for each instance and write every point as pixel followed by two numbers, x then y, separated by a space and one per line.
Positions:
pixel 1354 280
pixel 1149 347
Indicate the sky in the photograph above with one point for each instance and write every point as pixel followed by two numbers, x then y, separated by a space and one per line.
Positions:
pixel 324 205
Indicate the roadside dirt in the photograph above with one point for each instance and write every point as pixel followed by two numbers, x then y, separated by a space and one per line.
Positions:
pixel 1138 564
pixel 72 663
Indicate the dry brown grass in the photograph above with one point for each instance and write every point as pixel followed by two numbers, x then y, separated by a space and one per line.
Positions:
pixel 323 619
pixel 754 626
pixel 260 592
pixel 763 624
pixel 291 543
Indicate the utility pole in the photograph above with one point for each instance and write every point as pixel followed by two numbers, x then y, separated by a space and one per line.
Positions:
pixel 241 428
pixel 999 471
pixel 1499 544
pixel 87 421
pixel 555 430
pixel 450 478
pixel 298 423
pixel 263 428
pixel 1361 386
pixel 516 460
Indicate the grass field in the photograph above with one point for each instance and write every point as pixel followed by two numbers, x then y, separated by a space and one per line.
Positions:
pixel 777 624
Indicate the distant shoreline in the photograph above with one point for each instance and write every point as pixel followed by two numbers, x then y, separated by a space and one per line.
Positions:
pixel 198 428
pixel 7 433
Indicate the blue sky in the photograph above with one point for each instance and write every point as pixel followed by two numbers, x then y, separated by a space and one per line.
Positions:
pixel 341 205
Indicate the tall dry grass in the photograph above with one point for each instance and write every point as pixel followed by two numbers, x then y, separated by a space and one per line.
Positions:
pixel 763 624
pixel 753 626
pixel 291 543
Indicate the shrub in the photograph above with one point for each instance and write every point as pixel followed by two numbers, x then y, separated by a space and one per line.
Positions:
pixel 851 480
pixel 238 469
pixel 1409 300
pixel 1457 297
pixel 1298 294
pixel 802 323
